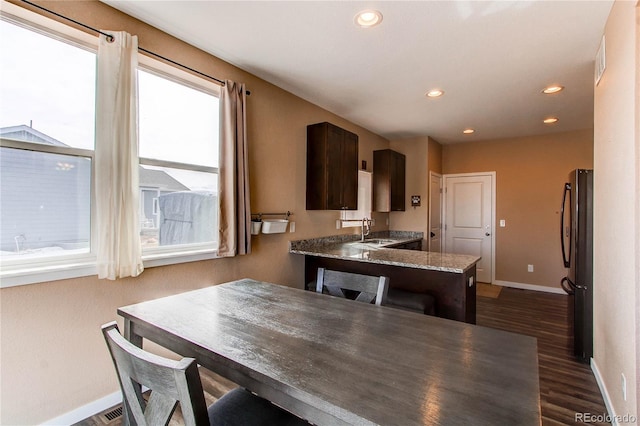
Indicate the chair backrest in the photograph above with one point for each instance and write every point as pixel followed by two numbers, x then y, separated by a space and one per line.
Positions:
pixel 170 382
pixel 370 288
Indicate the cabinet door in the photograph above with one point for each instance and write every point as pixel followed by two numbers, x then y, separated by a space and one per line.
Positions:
pixel 388 181
pixel 335 167
pixel 381 181
pixel 397 181
pixel 350 171
pixel 332 168
pixel 316 166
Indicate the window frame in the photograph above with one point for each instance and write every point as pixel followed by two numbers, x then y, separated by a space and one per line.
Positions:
pixel 33 271
pixel 189 252
pixel 18 272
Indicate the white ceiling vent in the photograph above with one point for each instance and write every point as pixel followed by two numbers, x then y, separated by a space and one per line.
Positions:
pixel 601 62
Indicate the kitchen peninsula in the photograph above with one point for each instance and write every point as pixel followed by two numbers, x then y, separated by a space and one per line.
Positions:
pixel 449 278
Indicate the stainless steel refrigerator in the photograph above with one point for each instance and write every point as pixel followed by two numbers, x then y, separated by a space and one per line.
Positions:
pixel 576 228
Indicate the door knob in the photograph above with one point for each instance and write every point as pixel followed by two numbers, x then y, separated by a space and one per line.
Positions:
pixel 487 234
pixel 433 234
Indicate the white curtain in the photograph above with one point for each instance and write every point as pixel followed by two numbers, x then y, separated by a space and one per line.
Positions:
pixel 235 209
pixel 119 253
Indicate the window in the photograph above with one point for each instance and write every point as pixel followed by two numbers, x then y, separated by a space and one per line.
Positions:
pixel 178 126
pixel 47 121
pixel 47 132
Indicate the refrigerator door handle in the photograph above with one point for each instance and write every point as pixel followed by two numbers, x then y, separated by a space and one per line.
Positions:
pixel 566 257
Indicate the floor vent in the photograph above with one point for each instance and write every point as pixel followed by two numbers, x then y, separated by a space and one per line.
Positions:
pixel 113 414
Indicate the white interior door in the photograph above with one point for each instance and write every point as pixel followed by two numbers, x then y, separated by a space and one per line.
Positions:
pixel 435 212
pixel 469 213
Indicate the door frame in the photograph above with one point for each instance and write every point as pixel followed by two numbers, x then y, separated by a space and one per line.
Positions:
pixel 431 175
pixel 493 214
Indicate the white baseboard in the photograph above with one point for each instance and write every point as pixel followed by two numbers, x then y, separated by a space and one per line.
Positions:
pixel 88 410
pixel 604 392
pixel 545 289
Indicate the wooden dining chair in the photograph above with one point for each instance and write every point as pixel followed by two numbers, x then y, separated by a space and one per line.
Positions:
pixel 369 289
pixel 172 382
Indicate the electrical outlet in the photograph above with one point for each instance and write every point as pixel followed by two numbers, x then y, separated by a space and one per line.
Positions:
pixel 624 387
pixel 338 224
pixel 503 223
pixel 529 268
pixel 292 227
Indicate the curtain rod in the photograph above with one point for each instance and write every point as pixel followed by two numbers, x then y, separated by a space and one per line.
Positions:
pixel 110 38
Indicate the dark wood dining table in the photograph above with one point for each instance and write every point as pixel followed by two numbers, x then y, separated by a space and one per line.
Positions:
pixel 335 361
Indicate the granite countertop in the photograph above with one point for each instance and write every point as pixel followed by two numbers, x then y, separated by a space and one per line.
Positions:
pixel 348 247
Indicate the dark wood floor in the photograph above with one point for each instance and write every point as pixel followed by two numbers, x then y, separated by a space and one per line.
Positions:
pixel 567 387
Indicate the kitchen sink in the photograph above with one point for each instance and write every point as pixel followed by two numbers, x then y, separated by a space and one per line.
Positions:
pixel 380 242
pixel 374 242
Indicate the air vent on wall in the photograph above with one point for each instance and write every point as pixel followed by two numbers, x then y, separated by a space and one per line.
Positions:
pixel 600 62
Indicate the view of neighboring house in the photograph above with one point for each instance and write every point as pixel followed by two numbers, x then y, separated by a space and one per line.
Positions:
pixel 153 184
pixel 170 213
pixel 36 191
pixel 44 184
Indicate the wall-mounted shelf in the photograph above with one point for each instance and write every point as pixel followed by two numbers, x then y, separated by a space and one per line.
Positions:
pixel 269 226
pixel 259 215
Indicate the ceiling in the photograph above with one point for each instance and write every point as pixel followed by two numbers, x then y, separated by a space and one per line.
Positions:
pixel 491 58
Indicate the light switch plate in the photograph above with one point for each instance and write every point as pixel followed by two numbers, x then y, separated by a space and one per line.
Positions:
pixel 503 223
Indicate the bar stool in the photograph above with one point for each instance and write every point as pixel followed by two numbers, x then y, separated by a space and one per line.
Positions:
pixel 411 301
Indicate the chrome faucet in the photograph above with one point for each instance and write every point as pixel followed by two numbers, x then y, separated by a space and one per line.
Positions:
pixel 366 223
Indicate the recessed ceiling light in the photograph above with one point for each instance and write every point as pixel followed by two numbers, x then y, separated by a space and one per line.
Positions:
pixel 550 120
pixel 368 18
pixel 468 131
pixel 435 93
pixel 552 89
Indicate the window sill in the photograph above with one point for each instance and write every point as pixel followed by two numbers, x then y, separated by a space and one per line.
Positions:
pixel 40 274
pixel 162 259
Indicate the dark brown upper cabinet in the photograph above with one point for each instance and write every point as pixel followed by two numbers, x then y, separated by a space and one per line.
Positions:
pixel 332 168
pixel 388 181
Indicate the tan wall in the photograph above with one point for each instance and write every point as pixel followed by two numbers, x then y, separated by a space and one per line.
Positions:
pixel 435 156
pixel 53 357
pixel 616 211
pixel 530 173
pixel 424 154
pixel 416 183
